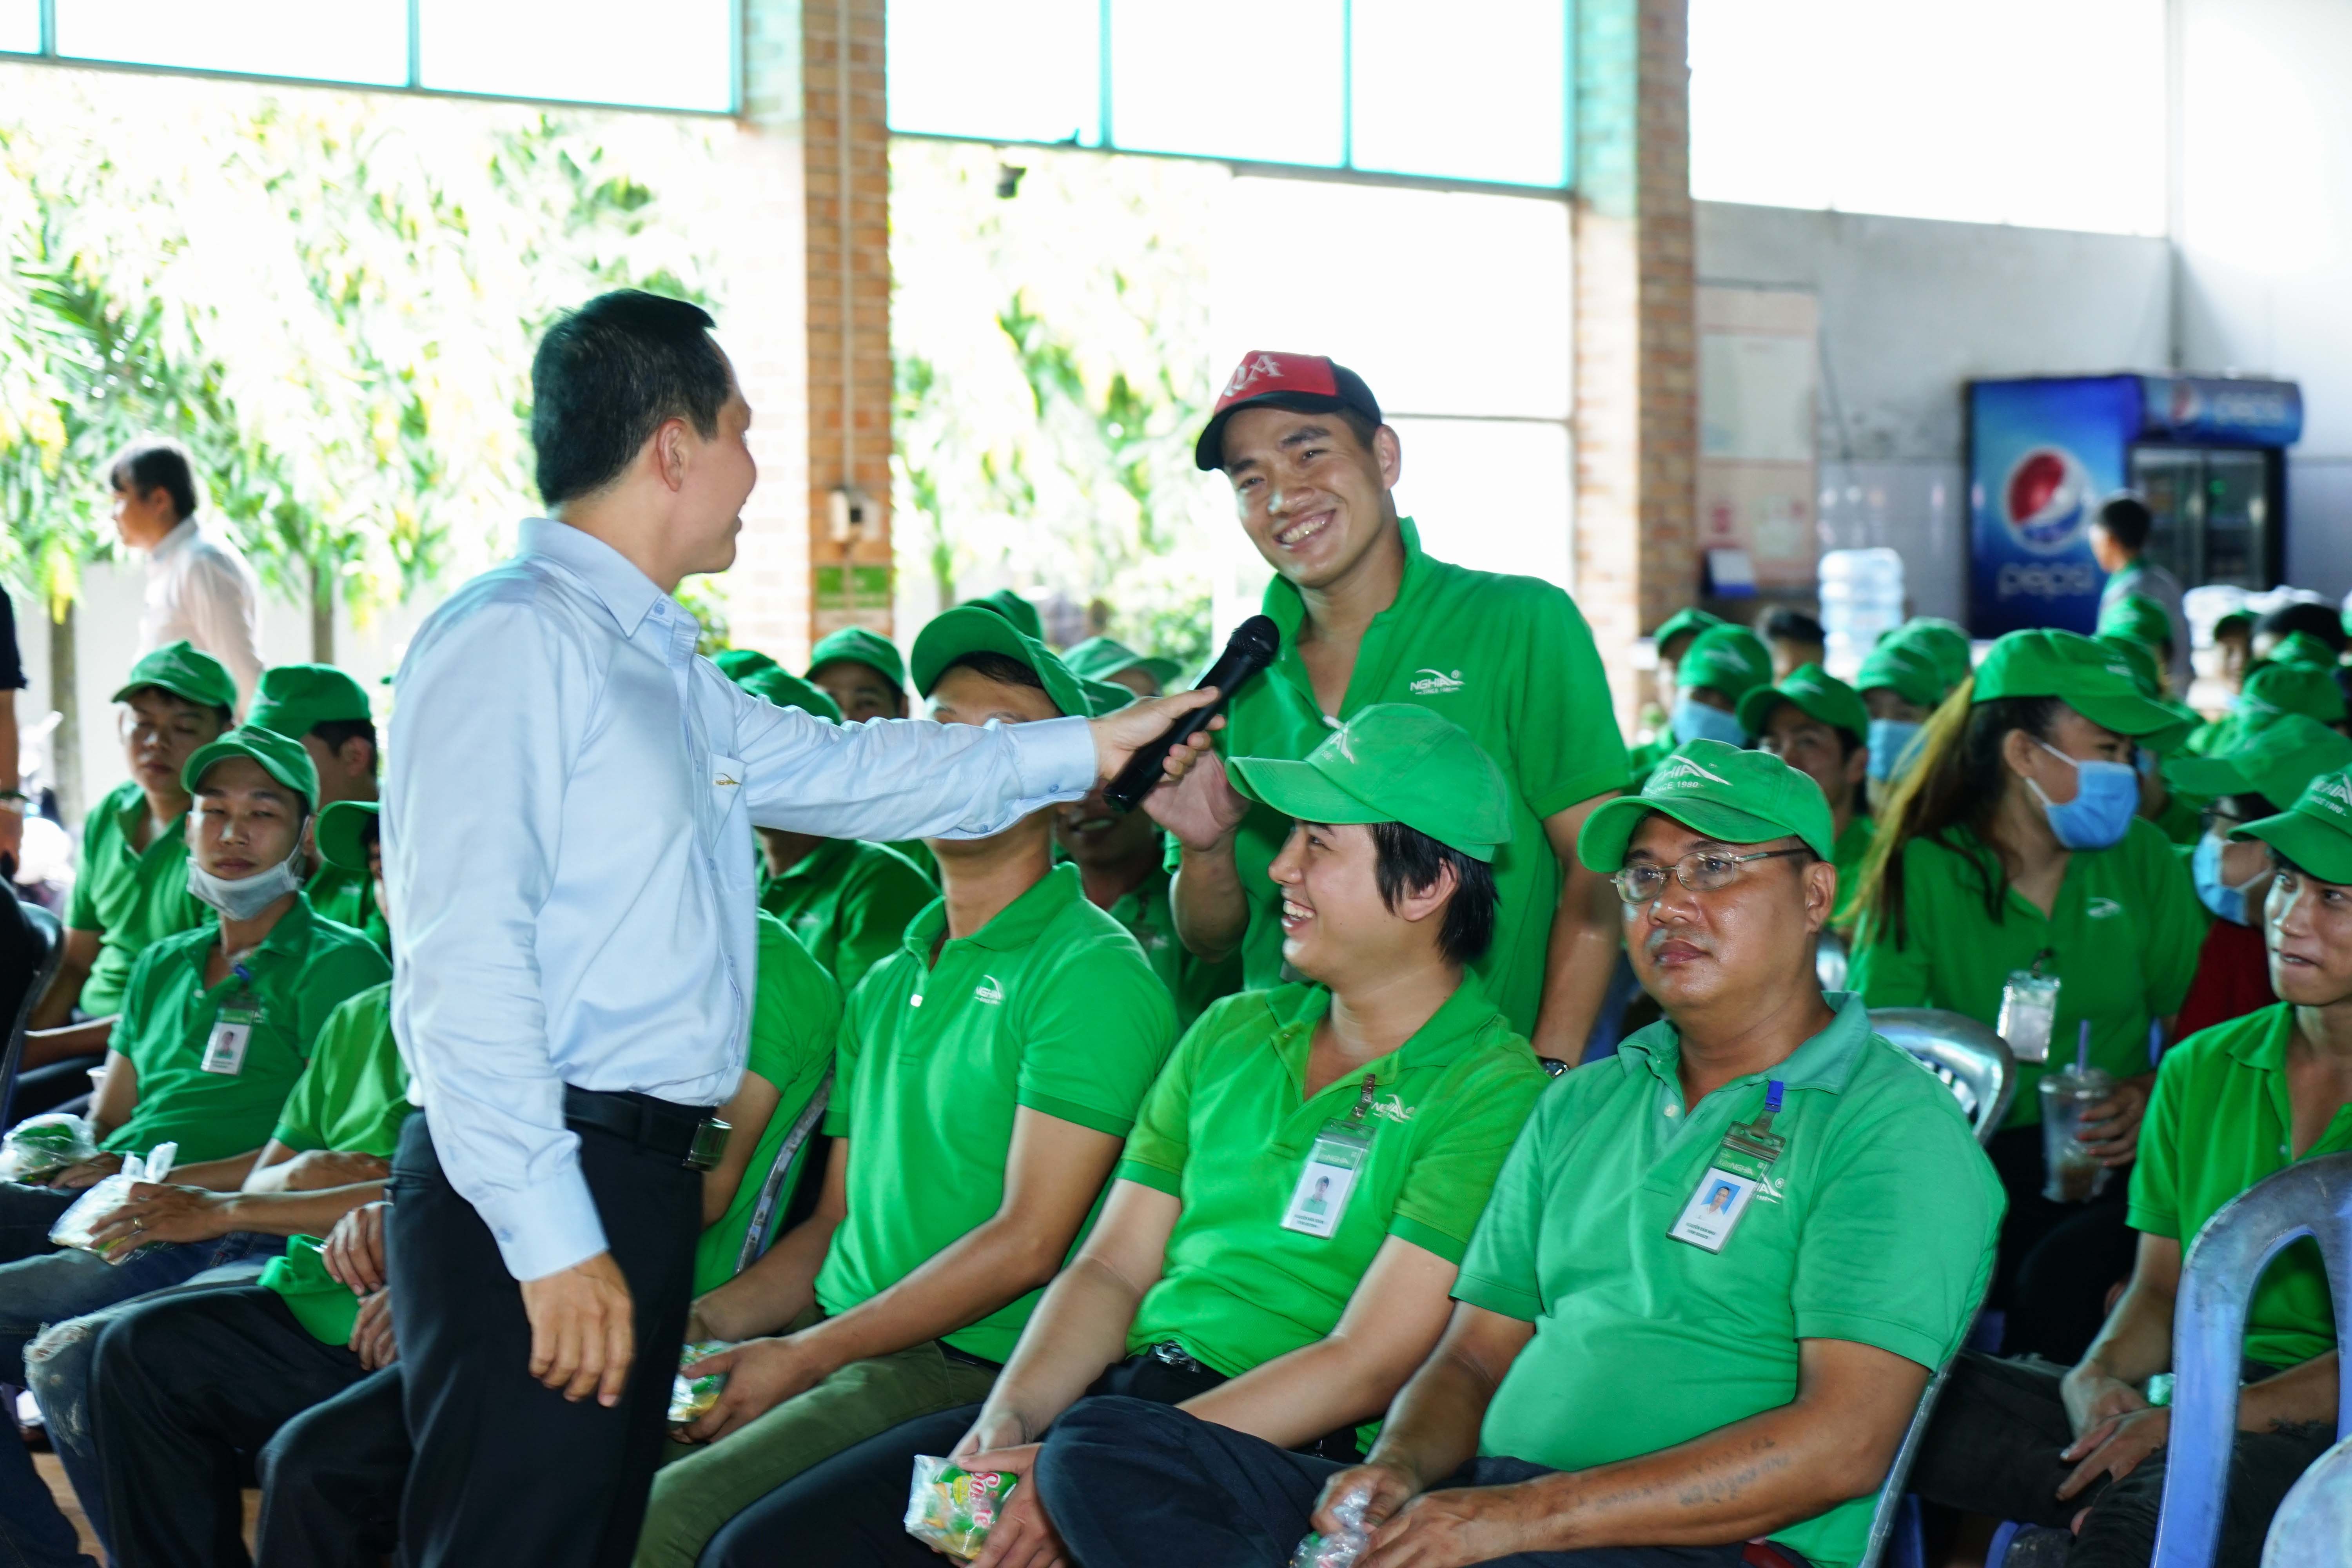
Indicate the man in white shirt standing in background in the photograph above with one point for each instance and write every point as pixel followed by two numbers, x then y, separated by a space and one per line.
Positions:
pixel 199 584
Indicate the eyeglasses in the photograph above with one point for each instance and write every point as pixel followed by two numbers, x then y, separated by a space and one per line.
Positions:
pixel 1702 871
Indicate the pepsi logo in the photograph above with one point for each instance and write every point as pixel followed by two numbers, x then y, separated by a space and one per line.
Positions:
pixel 2045 498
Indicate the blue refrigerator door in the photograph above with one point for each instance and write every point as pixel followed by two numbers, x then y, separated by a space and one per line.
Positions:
pixel 2043 454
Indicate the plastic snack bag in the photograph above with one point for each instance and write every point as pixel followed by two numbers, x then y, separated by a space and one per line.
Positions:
pixel 691 1397
pixel 953 1510
pixel 42 1145
pixel 74 1228
pixel 1340 1550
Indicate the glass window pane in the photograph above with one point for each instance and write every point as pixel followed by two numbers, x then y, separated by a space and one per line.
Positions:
pixel 1228 78
pixel 350 40
pixel 680 55
pixel 1475 89
pixel 1023 71
pixel 1458 304
pixel 1488 495
pixel 20 27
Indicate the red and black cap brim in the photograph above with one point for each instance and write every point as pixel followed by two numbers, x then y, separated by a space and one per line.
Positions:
pixel 1208 452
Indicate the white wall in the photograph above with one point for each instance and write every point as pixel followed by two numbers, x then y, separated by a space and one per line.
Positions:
pixel 1912 308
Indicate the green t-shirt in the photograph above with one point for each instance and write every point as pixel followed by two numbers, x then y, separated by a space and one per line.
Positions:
pixel 302 972
pixel 348 897
pixel 1192 981
pixel 1851 848
pixel 1227 1129
pixel 795 1021
pixel 1049 1005
pixel 1876 1225
pixel 848 903
pixel 2122 938
pixel 1509 659
pixel 917 854
pixel 131 898
pixel 353 1096
pixel 2218 1122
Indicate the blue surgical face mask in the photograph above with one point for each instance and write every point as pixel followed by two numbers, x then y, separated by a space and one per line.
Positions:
pixel 1890 744
pixel 2228 902
pixel 2107 797
pixel 1694 721
pixel 2144 761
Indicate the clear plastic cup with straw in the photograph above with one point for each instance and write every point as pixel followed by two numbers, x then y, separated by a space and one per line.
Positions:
pixel 2072 1171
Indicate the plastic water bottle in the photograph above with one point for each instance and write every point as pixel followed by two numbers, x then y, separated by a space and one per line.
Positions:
pixel 1862 598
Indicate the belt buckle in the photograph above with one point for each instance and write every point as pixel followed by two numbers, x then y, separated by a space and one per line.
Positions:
pixel 710 1144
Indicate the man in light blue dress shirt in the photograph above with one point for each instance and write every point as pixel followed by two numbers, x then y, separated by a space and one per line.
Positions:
pixel 567 829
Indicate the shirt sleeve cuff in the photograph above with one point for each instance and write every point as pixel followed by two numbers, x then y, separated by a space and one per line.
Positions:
pixel 544 1229
pixel 1055 758
pixel 1495 1296
pixel 1153 1176
pixel 1429 1238
pixel 1071 1111
pixel 2150 1221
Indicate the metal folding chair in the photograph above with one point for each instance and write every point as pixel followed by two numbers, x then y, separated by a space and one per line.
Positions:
pixel 1896 1514
pixel 775 1199
pixel 1973 1062
pixel 49 951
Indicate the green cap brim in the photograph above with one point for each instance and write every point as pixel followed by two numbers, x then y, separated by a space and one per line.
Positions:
pixel 2326 852
pixel 1610 828
pixel 1300 790
pixel 976 628
pixel 302 780
pixel 341 835
pixel 2208 776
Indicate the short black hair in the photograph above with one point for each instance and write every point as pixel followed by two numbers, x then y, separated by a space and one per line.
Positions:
pixel 607 376
pixel 1000 667
pixel 1784 624
pixel 2319 620
pixel 227 717
pixel 2128 520
pixel 1408 860
pixel 156 463
pixel 335 732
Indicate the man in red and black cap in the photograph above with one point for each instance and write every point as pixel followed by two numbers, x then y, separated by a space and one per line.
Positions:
pixel 1366 617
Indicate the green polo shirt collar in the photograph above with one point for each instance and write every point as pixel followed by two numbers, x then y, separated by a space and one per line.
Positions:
pixel 1288 606
pixel 1825 1061
pixel 1016 925
pixel 1453 1029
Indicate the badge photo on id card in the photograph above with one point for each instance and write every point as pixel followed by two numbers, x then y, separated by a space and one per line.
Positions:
pixel 1321 1196
pixel 1740 1166
pixel 232 1033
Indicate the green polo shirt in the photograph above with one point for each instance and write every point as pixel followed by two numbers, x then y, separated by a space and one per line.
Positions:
pixel 2220 1121
pixel 348 897
pixel 353 1096
pixel 302 972
pixel 1509 659
pixel 848 903
pixel 1227 1129
pixel 795 1023
pixel 1876 1225
pixel 1851 848
pixel 1049 1005
pixel 2122 938
pixel 1192 981
pixel 917 854
pixel 131 898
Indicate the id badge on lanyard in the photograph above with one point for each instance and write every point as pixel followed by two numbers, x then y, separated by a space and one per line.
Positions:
pixel 1738 1168
pixel 2029 1011
pixel 233 1028
pixel 1332 1166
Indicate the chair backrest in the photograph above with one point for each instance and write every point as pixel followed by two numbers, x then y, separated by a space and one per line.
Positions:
pixel 2209 1334
pixel 1973 1062
pixel 1829 960
pixel 49 952
pixel 768 1214
pixel 1890 1496
pixel 2312 1527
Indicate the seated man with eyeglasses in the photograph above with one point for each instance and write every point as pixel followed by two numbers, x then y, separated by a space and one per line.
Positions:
pixel 1635 1375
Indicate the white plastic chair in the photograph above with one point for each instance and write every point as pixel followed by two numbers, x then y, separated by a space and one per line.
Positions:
pixel 1971 1059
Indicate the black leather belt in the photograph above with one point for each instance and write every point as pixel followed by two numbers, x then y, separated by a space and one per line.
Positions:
pixel 689 1134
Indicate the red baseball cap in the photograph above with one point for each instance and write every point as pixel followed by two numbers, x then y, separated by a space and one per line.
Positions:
pixel 1310 383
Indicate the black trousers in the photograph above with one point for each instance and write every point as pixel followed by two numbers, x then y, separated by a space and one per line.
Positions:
pixel 331 1481
pixel 1132 1484
pixel 2056 1262
pixel 1993 1448
pixel 184 1392
pixel 507 1470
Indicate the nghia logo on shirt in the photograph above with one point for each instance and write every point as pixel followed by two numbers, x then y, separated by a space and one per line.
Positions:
pixel 988 991
pixel 1435 682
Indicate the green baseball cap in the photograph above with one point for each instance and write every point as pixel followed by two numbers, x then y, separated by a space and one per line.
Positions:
pixel 2088 676
pixel 2315 832
pixel 178 668
pixel 1393 762
pixel 280 756
pixel 786 690
pixel 1819 693
pixel 1945 643
pixel 1728 659
pixel 2139 617
pixel 872 650
pixel 976 628
pixel 2302 647
pixel 1100 658
pixel 1729 792
pixel 735 663
pixel 2142 659
pixel 2274 689
pixel 1905 668
pixel 2274 762
pixel 1106 696
pixel 341 834
pixel 1010 604
pixel 1691 620
pixel 295 699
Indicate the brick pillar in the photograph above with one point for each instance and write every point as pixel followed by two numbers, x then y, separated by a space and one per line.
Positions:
pixel 1636 418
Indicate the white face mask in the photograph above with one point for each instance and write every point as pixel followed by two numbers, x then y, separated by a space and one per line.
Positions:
pixel 243 898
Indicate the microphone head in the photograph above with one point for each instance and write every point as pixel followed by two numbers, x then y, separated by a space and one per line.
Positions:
pixel 1259 637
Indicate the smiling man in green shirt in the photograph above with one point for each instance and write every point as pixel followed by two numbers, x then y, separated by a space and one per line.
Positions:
pixel 1366 616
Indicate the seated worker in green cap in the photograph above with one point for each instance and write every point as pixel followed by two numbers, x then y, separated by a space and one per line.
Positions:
pixel 987 1074
pixel 1757 1231
pixel 1017 607
pixel 2138 618
pixel 862 672
pixel 1816 723
pixel 132 889
pixel 328 711
pixel 2233 876
pixel 846 901
pixel 2080 1451
pixel 2014 882
pixel 1673 640
pixel 297 1347
pixel 1103 659
pixel 1289 1212
pixel 1901 684
pixel 1722 665
pixel 2175 814
pixel 2272 688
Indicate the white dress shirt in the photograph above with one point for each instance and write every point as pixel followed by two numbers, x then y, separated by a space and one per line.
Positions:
pixel 567 833
pixel 200 587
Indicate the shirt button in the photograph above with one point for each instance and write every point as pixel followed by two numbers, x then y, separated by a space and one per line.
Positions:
pixel 915 1001
pixel 1673 1111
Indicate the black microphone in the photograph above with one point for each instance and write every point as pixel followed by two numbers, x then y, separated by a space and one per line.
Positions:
pixel 1253 647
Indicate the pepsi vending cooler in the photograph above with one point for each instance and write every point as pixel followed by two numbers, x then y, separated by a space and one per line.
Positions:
pixel 2208 454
